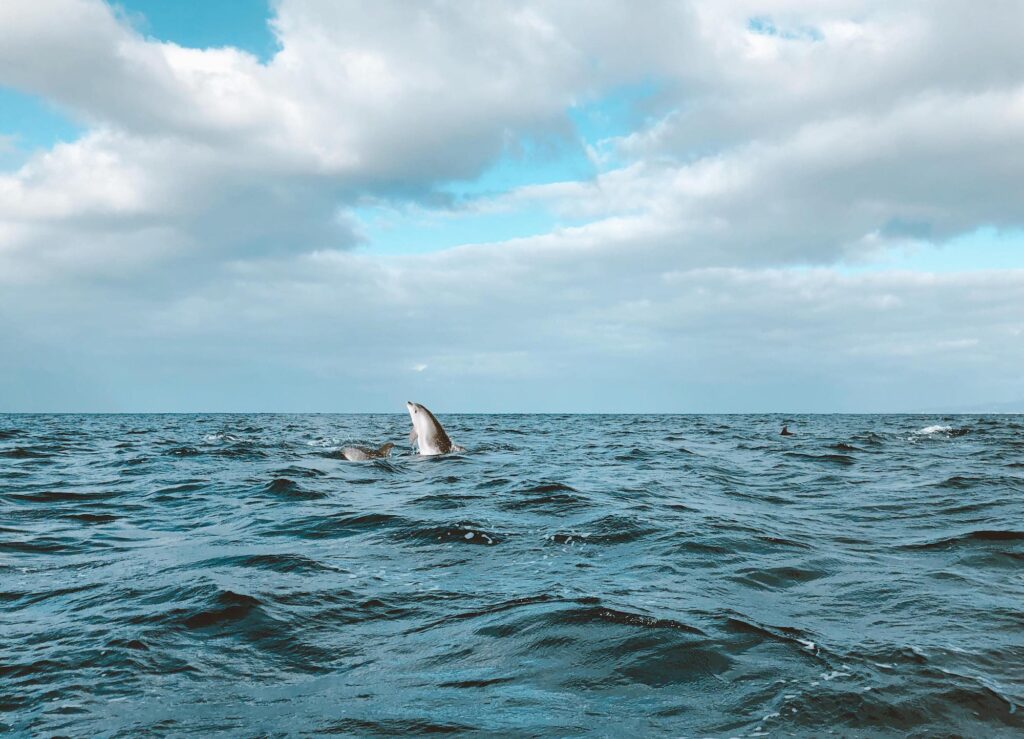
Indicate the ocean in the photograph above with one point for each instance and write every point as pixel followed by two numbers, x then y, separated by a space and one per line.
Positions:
pixel 605 575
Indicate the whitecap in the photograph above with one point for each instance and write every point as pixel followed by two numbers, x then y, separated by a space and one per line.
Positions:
pixel 220 436
pixel 833 675
pixel 324 441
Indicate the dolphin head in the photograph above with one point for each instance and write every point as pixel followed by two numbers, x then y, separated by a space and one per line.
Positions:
pixel 430 435
pixel 419 416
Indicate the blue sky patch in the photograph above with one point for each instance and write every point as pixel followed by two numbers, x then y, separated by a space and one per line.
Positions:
pixel 765 26
pixel 27 124
pixel 529 162
pixel 986 248
pixel 413 230
pixel 200 25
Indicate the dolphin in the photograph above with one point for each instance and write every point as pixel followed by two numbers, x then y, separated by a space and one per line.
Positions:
pixel 427 433
pixel 361 453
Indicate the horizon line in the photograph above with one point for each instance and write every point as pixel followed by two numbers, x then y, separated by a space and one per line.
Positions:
pixel 521 413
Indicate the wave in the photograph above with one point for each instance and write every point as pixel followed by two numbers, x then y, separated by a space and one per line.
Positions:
pixel 844 447
pixel 489 610
pixel 939 430
pixel 461 533
pixel 394 727
pixel 324 442
pixel 65 496
pixel 272 561
pixel 673 593
pixel 339 526
pixel 241 450
pixel 478 683
pixel 607 530
pixel 295 471
pixel 869 438
pixel 93 517
pixel 773 578
pixel 50 545
pixel 24 453
pixel 551 487
pixel 840 459
pixel 604 614
pixel 553 498
pixel 789 635
pixel 221 436
pixel 970 537
pixel 185 487
pixel 228 607
pixel 783 542
pixel 291 490
pixel 184 451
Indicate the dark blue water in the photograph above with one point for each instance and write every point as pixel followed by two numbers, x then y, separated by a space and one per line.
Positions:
pixel 609 575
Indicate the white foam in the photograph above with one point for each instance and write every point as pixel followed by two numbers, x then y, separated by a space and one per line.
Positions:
pixel 927 430
pixel 220 436
pixel 324 441
pixel 833 675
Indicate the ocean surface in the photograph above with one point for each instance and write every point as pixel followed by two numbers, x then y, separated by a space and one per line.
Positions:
pixel 231 575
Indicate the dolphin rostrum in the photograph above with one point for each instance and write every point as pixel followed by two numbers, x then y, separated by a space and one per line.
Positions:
pixel 427 433
pixel 361 453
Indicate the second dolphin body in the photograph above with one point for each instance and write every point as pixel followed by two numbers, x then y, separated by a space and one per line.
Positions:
pixel 427 432
pixel 361 453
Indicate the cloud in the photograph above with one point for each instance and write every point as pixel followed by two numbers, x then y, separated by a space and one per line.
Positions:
pixel 339 331
pixel 780 146
pixel 225 151
pixel 205 221
pixel 834 189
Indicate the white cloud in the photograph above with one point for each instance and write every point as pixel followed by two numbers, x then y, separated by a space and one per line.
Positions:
pixel 336 331
pixel 784 145
pixel 361 100
pixel 206 211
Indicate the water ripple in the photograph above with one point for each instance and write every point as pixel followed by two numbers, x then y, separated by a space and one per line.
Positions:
pixel 225 575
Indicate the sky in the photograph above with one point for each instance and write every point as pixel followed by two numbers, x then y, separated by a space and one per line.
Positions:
pixel 326 205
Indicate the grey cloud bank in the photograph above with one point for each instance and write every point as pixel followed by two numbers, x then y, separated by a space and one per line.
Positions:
pixel 195 249
pixel 339 332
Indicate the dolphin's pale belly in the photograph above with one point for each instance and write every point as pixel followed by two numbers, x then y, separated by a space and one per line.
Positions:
pixel 430 449
pixel 431 443
pixel 427 432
